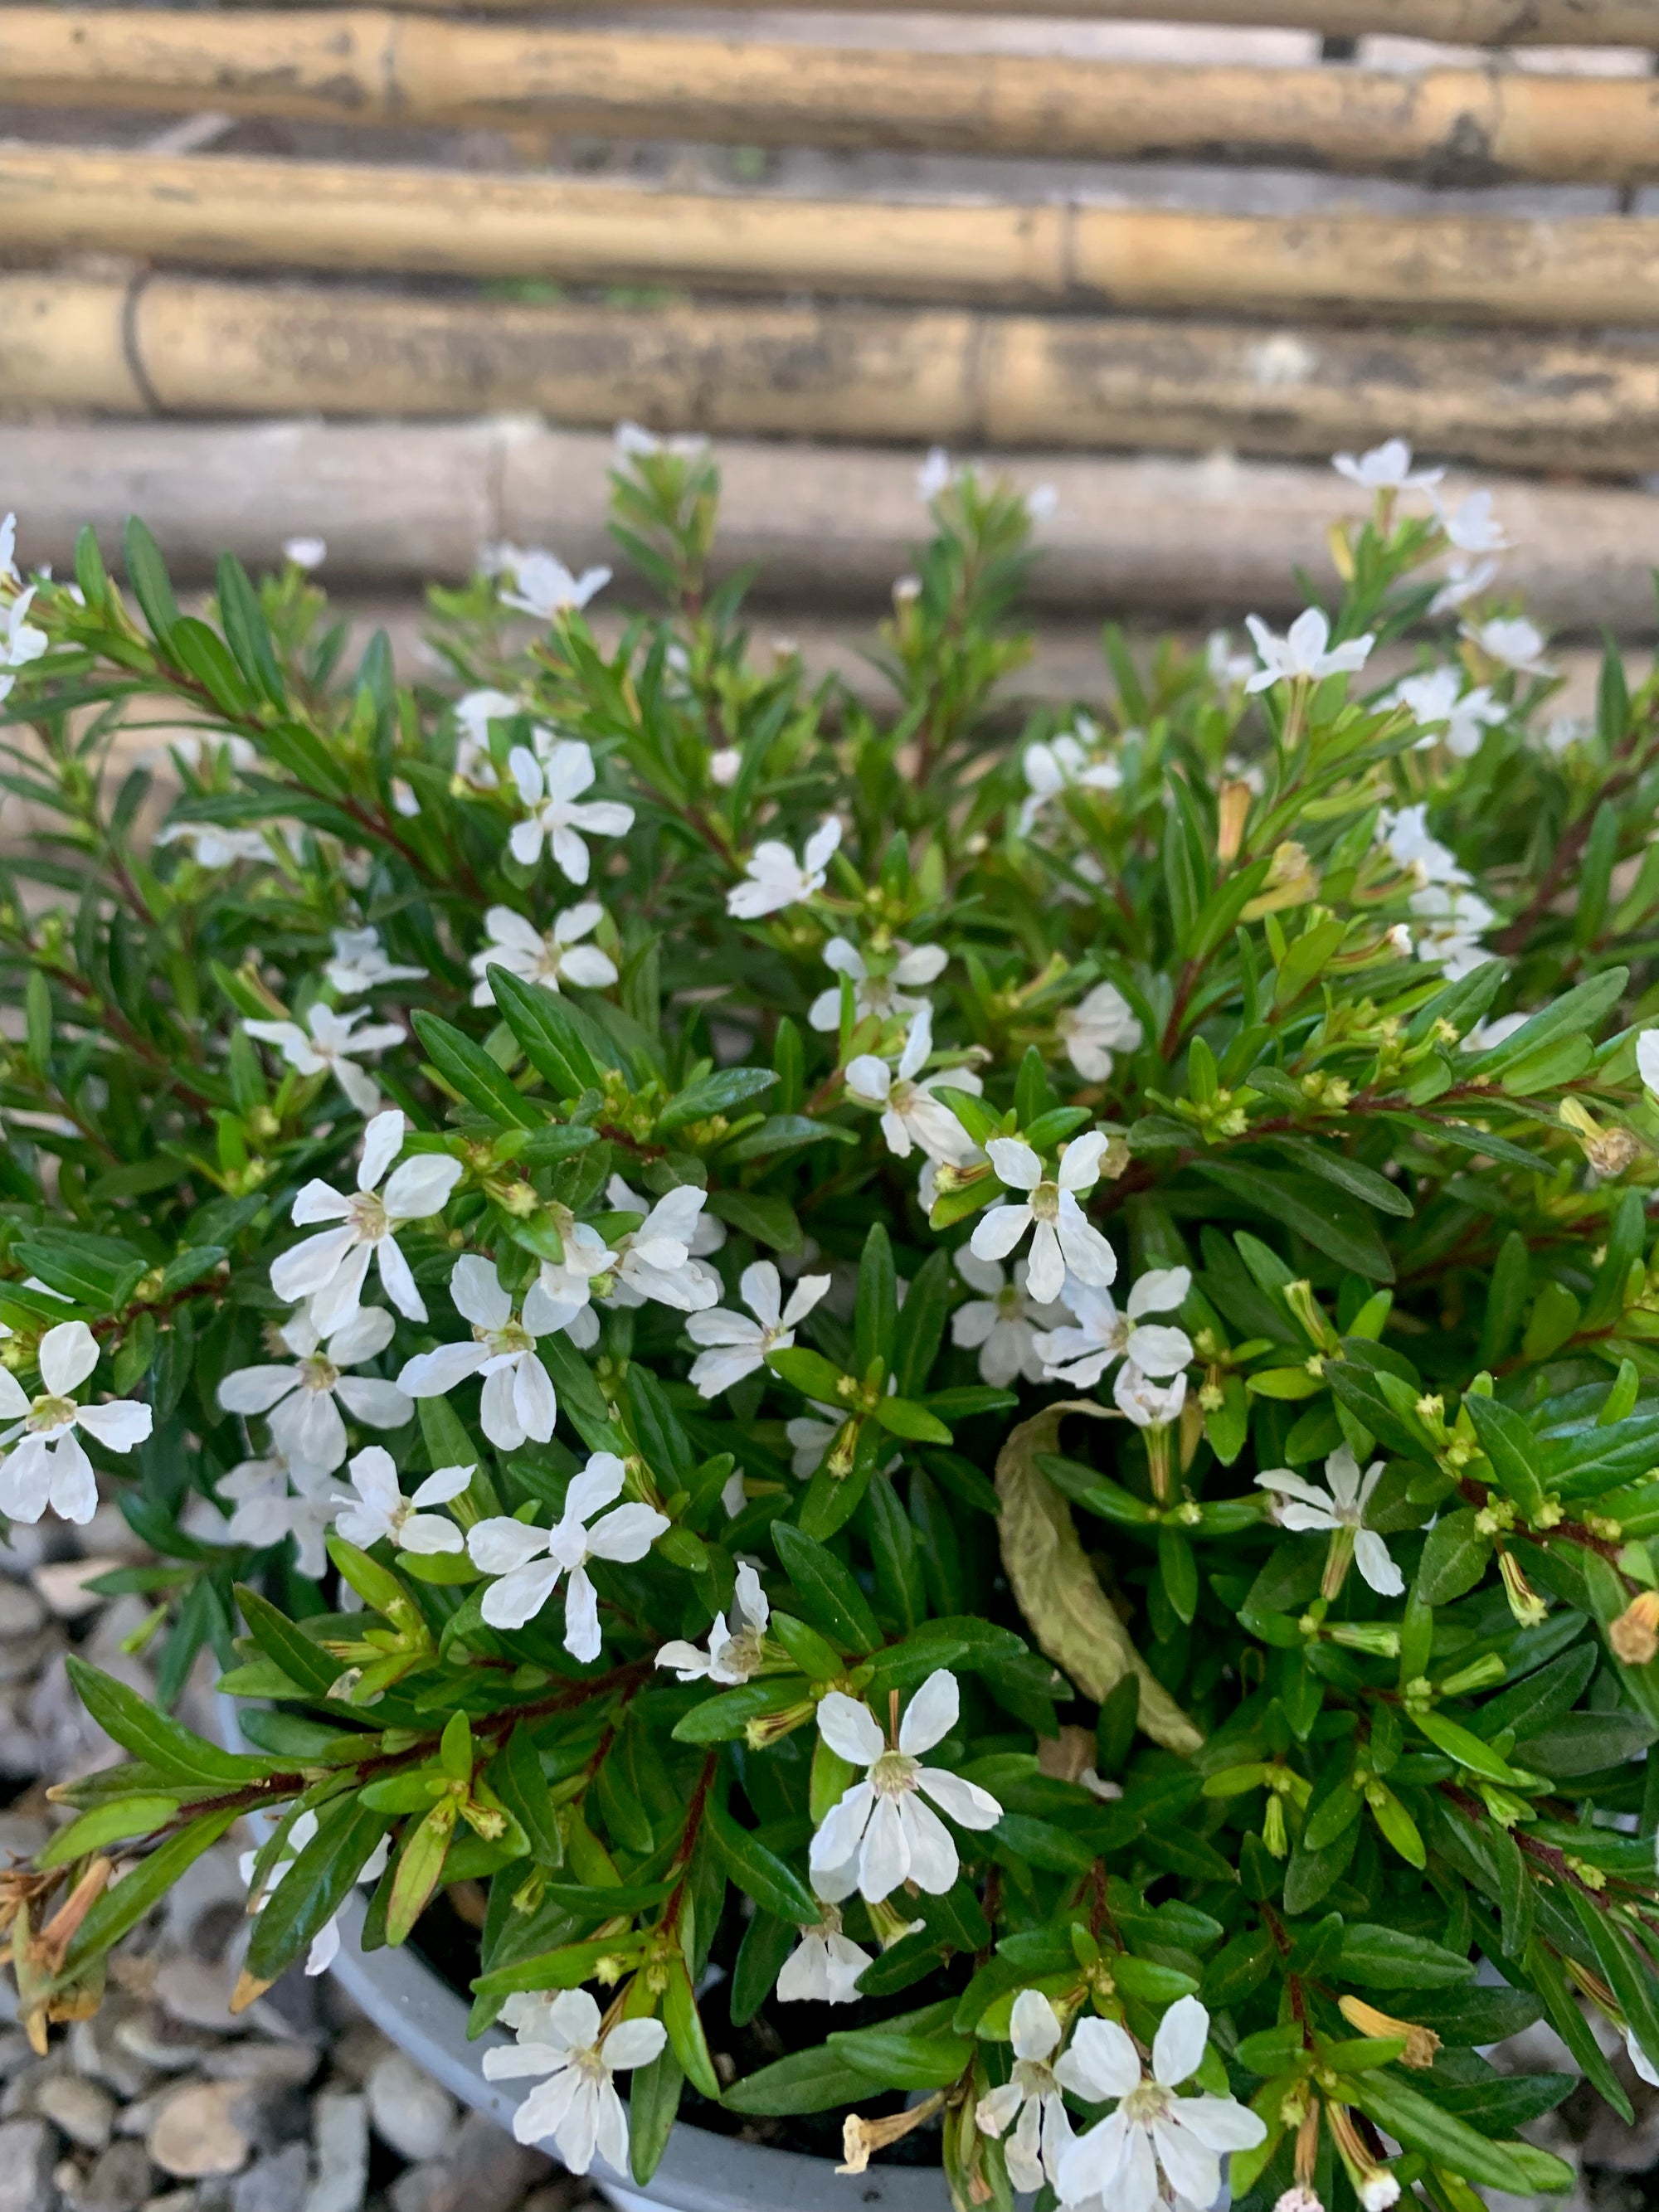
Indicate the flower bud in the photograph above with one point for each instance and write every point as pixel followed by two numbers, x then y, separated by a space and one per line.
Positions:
pixel 1421 2043
pixel 1635 1635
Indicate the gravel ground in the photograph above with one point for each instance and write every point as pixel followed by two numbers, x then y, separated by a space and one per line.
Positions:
pixel 166 2103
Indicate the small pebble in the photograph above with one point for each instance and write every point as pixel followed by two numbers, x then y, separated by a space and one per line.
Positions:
pixel 408 2111
pixel 28 2152
pixel 120 2180
pixel 277 2183
pixel 196 2133
pixel 22 1611
pixel 173 2200
pixel 194 1995
pixel 155 2041
pixel 340 2134
pixel 63 1585
pixel 85 2112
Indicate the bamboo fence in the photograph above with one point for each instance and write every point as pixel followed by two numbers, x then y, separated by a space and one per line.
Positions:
pixel 182 346
pixel 1456 22
pixel 249 212
pixel 400 503
pixel 368 67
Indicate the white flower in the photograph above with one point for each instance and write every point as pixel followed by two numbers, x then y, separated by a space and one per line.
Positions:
pixel 1340 1507
pixel 1449 920
pixel 1041 502
pixel 1438 696
pixel 1080 1356
pixel 1225 666
pixel 1487 1036
pixel 330 1269
pixel 552 790
pixel 881 1834
pixel 910 1115
pixel 375 1505
pixel 1301 655
pixel 1471 525
pixel 886 996
pixel 529 1561
pixel 810 1438
pixel 1387 467
pixel 577 2108
pixel 708 1231
pixel 825 1966
pixel 1640 2059
pixel 274 1500
pixel 303 1402
pixel 1002 1324
pixel 1562 733
pixel 542 958
pixel 725 765
pixel 1512 640
pixel 1095 1028
pixel 360 964
pixel 734 1653
pixel 1118 2158
pixel 1148 1404
pixel 1043 2134
pixel 1465 580
pixel 474 711
pixel 634 442
pixel 9 549
pixel 1061 1235
pixel 1405 831
pixel 1064 764
pixel 1647 1059
pixel 20 640
pixel 776 880
pixel 333 1041
pixel 305 552
pixel 325 1943
pixel 736 1346
pixel 561 1296
pixel 517 1400
pixel 933 474
pixel 48 1467
pixel 211 846
pixel 655 1260
pixel 543 586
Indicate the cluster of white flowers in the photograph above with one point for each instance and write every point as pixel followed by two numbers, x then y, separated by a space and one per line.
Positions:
pixel 21 640
pixel 1448 913
pixel 1076 760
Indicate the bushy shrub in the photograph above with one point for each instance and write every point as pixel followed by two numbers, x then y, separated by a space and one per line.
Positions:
pixel 1004 1378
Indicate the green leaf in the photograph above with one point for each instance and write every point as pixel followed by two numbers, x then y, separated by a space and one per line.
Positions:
pixel 107 1824
pixel 1454 1558
pixel 809 1372
pixel 1512 1447
pixel 546 1035
pixel 1409 2117
pixel 168 1747
pixel 766 1946
pixel 806 2081
pixel 894 1553
pixel 653 2103
pixel 875 1317
pixel 246 629
pixel 685 2032
pixel 897 2060
pixel 312 1887
pixel 304 1662
pixel 903 1417
pixel 1331 1223
pixel 770 1221
pixel 121 1909
pixel 472 1075
pixel 148 574
pixel 784 1132
pixel 1386 1958
pixel 760 1874
pixel 1358 1181
pixel 830 1595
pixel 715 1094
pixel 920 1329
pixel 419 1868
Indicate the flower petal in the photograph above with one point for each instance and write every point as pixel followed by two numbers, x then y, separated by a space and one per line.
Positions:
pixel 849 1729
pixel 1178 2047
pixel 68 1355
pixel 931 1714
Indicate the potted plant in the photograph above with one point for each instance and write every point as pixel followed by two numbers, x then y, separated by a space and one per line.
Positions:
pixel 930 1438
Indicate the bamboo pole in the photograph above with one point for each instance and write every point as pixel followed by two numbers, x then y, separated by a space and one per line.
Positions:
pixel 400 504
pixel 1456 22
pixel 237 212
pixel 366 66
pixel 193 347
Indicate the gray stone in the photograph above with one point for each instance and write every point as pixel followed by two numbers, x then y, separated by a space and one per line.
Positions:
pixel 22 1612
pixel 196 1995
pixel 28 2153
pixel 408 2111
pixel 95 2053
pixel 85 2112
pixel 340 2134
pixel 62 1586
pixel 173 2200
pixel 154 2040
pixel 482 2171
pixel 358 2051
pixel 290 2065
pixel 15 2053
pixel 121 2179
pixel 277 2183
pixel 196 2131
